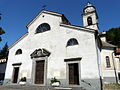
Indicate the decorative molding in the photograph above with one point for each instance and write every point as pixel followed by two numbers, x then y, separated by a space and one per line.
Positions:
pixel 78 28
pixel 18 40
pixel 44 11
pixel 72 59
pixel 16 64
pixel 40 53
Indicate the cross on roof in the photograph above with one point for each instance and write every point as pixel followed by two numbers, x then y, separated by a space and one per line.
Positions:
pixel 44 6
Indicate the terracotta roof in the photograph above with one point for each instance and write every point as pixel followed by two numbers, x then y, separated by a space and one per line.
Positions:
pixel 107 45
pixel 118 50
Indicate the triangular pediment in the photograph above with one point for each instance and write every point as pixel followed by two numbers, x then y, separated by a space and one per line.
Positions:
pixel 46 12
pixel 40 53
pixel 64 19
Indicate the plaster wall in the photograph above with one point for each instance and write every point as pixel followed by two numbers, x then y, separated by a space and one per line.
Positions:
pixel 104 53
pixel 108 73
pixel 55 42
pixel 94 21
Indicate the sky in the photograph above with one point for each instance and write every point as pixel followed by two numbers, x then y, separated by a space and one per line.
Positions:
pixel 16 14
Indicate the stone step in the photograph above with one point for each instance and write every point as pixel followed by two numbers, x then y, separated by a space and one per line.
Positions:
pixel 62 88
pixel 35 87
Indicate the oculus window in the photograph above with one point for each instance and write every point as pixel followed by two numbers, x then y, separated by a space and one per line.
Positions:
pixel 19 51
pixel 108 61
pixel 72 42
pixel 42 28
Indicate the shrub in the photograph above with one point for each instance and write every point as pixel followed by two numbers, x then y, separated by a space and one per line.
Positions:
pixel 54 80
pixel 23 79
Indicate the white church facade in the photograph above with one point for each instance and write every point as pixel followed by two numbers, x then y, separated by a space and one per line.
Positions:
pixel 55 48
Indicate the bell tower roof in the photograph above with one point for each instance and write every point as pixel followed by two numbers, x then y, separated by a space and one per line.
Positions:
pixel 89 4
pixel 89 8
pixel 90 17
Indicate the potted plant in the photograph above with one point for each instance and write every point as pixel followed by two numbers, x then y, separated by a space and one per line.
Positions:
pixel 22 81
pixel 55 82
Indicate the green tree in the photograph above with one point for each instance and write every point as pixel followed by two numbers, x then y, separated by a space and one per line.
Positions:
pixel 113 36
pixel 1 30
pixel 4 51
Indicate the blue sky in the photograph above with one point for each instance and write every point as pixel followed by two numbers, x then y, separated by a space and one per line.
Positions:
pixel 16 14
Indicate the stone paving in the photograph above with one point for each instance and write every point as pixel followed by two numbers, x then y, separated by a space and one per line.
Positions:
pixel 19 87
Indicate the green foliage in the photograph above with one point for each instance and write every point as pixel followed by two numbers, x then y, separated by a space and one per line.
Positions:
pixel 113 36
pixel 54 80
pixel 23 79
pixel 4 51
pixel 1 30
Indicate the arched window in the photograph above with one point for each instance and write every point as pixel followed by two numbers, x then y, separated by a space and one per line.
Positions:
pixel 107 61
pixel 42 28
pixel 89 20
pixel 72 42
pixel 19 51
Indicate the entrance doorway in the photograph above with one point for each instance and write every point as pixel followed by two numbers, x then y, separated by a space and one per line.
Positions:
pixel 39 72
pixel 15 74
pixel 73 74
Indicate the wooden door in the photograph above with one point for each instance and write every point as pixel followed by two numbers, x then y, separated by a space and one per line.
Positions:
pixel 15 74
pixel 39 74
pixel 73 73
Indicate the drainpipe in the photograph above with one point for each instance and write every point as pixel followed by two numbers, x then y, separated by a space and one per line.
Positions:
pixel 99 68
pixel 99 63
pixel 114 68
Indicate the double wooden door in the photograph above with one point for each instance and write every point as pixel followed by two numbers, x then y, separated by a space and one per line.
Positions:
pixel 15 74
pixel 73 73
pixel 39 72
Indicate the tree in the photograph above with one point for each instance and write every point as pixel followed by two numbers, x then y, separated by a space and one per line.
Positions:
pixel 113 36
pixel 1 30
pixel 4 51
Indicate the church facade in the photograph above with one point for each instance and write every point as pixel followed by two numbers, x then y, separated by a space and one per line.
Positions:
pixel 55 48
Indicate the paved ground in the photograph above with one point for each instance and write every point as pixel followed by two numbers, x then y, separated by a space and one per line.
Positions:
pixel 19 87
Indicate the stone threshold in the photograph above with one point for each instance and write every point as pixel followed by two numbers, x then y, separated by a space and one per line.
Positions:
pixel 62 88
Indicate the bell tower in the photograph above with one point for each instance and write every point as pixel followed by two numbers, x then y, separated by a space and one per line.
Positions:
pixel 90 17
